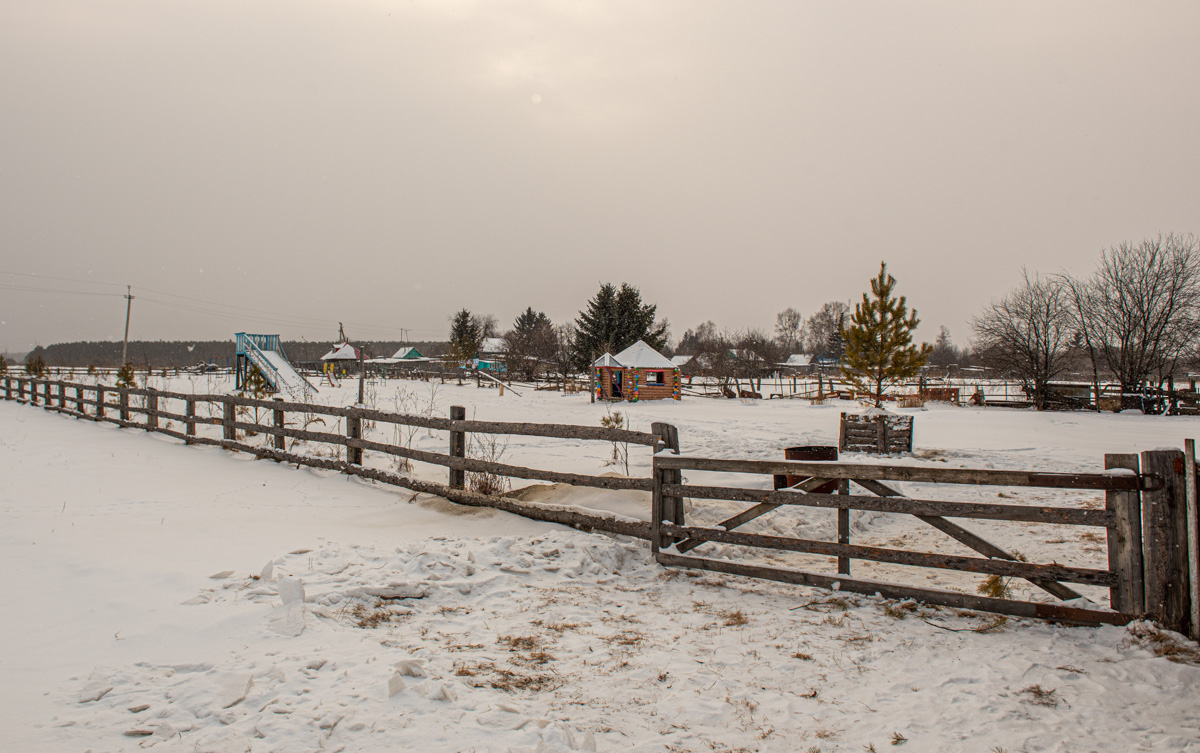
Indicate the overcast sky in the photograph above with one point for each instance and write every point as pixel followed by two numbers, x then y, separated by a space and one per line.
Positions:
pixel 385 163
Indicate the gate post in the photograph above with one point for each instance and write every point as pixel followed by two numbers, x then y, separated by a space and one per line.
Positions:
pixel 124 401
pixel 665 507
pixel 1193 534
pixel 228 418
pixel 1164 537
pixel 458 448
pixel 100 402
pixel 1125 542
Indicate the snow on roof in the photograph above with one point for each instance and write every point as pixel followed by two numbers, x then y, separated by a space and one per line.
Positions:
pixel 493 345
pixel 798 359
pixel 642 356
pixel 681 360
pixel 606 361
pixel 341 352
pixel 408 352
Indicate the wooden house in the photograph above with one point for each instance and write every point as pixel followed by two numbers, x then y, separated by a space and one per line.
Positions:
pixel 637 373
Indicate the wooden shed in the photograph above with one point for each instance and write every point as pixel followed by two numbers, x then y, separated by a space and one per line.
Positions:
pixel 637 373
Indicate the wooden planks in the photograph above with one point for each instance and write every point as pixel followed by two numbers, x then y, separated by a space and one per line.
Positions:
pixel 955 599
pixel 843 551
pixel 988 511
pixel 853 472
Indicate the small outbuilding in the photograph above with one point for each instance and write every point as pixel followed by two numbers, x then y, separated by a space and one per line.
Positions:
pixel 637 373
pixel 339 358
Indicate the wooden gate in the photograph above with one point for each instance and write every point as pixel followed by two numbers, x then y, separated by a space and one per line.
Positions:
pixel 1144 575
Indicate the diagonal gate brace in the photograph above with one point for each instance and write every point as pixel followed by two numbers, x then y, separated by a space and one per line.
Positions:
pixel 962 535
pixel 750 514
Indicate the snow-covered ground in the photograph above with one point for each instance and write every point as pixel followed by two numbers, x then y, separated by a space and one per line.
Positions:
pixel 252 606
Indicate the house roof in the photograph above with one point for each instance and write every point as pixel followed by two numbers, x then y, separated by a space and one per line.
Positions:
pixel 681 360
pixel 606 361
pixel 342 352
pixel 798 359
pixel 642 356
pixel 408 352
pixel 493 345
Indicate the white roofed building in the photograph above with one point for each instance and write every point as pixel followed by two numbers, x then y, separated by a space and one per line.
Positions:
pixel 637 373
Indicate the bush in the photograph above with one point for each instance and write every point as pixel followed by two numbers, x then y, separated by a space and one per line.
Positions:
pixel 35 366
pixel 125 376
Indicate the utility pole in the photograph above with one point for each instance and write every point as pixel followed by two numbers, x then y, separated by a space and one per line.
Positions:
pixel 128 305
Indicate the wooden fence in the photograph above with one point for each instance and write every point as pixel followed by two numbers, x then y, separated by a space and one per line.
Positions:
pixel 233 418
pixel 1149 521
pixel 1150 516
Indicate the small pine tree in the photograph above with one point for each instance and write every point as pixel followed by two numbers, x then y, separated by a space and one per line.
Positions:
pixel 879 349
pixel 35 366
pixel 125 376
pixel 256 385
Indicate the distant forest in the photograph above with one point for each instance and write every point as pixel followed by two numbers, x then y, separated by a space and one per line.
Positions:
pixel 179 353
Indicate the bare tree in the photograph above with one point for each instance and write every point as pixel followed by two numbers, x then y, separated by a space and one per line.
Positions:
pixel 823 327
pixel 789 329
pixel 1143 303
pixel 1026 335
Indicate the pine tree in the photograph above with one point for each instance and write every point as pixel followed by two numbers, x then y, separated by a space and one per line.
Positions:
pixel 614 320
pixel 879 349
pixel 465 336
pixel 531 341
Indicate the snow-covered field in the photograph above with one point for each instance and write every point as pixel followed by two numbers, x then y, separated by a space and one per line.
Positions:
pixel 188 598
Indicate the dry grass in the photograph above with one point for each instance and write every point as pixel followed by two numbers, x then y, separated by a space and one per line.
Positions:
pixel 1039 696
pixel 372 615
pixel 734 618
pixel 900 610
pixel 1162 643
pixel 802 656
pixel 627 638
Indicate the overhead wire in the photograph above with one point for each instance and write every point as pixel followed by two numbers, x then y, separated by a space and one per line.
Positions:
pixel 202 306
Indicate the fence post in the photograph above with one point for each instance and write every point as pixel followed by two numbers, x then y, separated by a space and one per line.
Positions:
pixel 99 402
pixel 1125 542
pixel 79 400
pixel 354 455
pixel 1193 535
pixel 670 507
pixel 656 507
pixel 458 448
pixel 33 391
pixel 124 401
pixel 880 436
pixel 1164 537
pixel 227 419
pixel 843 525
pixel 151 410
pixel 189 421
pixel 279 425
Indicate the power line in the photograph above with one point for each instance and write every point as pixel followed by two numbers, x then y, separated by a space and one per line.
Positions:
pixel 204 306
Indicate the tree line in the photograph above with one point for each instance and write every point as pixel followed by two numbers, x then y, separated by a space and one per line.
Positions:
pixel 1133 320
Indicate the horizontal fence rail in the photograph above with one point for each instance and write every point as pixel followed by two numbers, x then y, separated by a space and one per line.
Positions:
pixel 279 420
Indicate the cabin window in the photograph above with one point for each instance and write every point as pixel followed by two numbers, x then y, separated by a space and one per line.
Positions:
pixel 654 377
